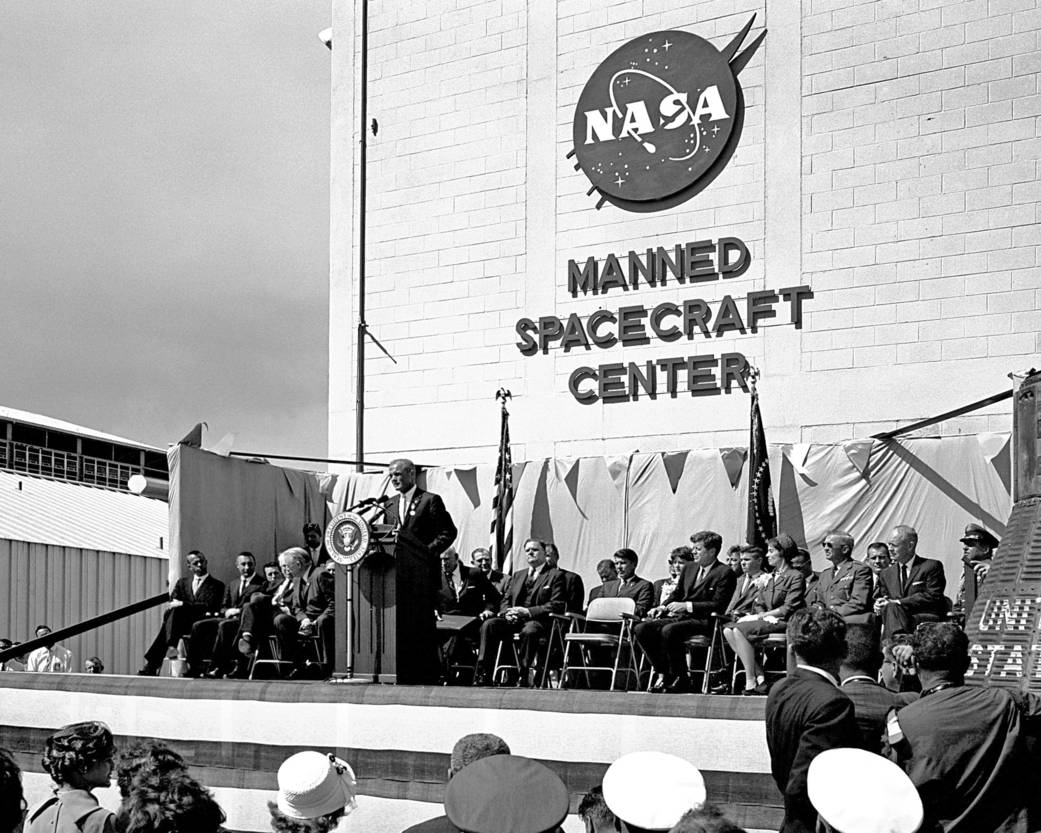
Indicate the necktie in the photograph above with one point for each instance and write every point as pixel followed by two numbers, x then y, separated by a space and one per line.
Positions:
pixel 242 587
pixel 196 582
pixel 903 579
pixel 451 586
pixel 701 575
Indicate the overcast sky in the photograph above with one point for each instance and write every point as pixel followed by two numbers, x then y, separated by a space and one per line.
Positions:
pixel 164 217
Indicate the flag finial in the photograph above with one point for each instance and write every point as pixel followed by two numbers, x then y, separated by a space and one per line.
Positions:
pixel 503 394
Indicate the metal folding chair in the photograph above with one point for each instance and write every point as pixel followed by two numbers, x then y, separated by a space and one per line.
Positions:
pixel 607 625
pixel 712 646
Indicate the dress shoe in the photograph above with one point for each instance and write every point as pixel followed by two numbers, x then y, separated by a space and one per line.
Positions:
pixel 148 670
pixel 681 685
pixel 720 688
pixel 748 692
pixel 659 685
pixel 215 673
pixel 762 689
pixel 246 644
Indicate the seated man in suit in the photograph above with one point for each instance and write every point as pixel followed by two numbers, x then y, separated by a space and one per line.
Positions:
pixel 531 596
pixel 256 619
pixel 481 558
pixel 628 585
pixel 877 559
pixel 310 606
pixel 704 587
pixel 213 637
pixel 910 590
pixel 574 590
pixel 464 591
pixel 845 587
pixel 606 572
pixel 192 597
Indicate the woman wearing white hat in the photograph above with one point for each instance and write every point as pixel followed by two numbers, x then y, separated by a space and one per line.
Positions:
pixel 315 792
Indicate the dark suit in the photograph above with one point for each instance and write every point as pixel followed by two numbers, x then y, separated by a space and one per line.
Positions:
pixel 743 599
pixel 663 639
pixel 178 621
pixel 312 597
pixel 475 595
pixel 871 703
pixel 545 596
pixel 805 714
pixel 426 518
pixel 638 589
pixel 574 591
pixel 845 590
pixel 921 599
pixel 216 637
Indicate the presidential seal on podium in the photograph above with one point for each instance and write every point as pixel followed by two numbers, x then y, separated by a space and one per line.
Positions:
pixel 347 538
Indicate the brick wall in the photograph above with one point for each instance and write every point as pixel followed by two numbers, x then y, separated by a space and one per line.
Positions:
pixel 917 230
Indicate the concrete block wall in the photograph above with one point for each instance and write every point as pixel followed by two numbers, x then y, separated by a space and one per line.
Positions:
pixel 888 160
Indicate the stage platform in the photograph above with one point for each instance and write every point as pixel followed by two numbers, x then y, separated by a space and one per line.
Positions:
pixel 397 738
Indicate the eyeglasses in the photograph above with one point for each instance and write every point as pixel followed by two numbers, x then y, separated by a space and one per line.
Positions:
pixel 828 545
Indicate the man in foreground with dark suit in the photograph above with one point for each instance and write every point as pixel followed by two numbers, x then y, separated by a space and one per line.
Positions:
pixel 704 587
pixel 807 713
pixel 191 598
pixel 845 586
pixel 214 636
pixel 910 590
pixel 531 596
pixel 859 675
pixel 421 515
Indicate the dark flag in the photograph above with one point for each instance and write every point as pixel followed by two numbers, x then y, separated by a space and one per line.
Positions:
pixel 762 520
pixel 501 543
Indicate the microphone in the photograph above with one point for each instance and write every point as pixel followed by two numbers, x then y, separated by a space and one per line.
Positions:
pixel 374 501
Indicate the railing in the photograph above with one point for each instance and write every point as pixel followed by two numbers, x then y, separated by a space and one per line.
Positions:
pixel 25 648
pixel 65 465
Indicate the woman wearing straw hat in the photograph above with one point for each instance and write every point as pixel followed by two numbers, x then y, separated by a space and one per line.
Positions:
pixel 315 792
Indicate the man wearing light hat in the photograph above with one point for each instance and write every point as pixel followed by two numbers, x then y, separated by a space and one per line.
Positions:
pixel 506 794
pixel 978 547
pixel 652 790
pixel 855 791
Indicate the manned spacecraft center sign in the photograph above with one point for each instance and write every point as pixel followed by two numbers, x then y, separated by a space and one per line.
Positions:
pixel 660 118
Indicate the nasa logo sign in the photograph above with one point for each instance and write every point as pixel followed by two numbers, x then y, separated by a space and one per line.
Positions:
pixel 660 118
pixel 347 538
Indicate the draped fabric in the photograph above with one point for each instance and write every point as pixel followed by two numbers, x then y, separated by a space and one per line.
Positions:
pixel 651 502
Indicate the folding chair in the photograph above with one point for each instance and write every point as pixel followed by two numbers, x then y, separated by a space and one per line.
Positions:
pixel 606 625
pixel 310 641
pixel 770 645
pixel 712 646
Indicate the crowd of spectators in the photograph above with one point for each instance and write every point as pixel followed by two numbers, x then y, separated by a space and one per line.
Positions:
pixel 845 757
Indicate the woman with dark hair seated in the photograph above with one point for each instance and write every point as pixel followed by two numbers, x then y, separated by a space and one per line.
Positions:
pixel 315 792
pixel 780 594
pixel 12 801
pixel 168 801
pixel 78 757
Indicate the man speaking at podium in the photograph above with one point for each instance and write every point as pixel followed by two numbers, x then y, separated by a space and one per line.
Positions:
pixel 423 515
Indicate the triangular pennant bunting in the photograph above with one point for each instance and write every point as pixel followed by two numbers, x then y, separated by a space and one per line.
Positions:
pixel 733 461
pixel 571 480
pixel 674 462
pixel 468 480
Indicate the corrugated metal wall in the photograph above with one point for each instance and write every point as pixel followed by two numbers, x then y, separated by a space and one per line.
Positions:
pixel 59 586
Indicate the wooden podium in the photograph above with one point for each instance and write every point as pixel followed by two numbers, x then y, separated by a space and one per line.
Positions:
pixel 393 595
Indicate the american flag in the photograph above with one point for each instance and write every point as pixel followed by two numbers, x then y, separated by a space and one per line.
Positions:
pixel 502 502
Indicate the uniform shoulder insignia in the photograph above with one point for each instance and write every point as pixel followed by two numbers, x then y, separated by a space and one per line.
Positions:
pixel 894 734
